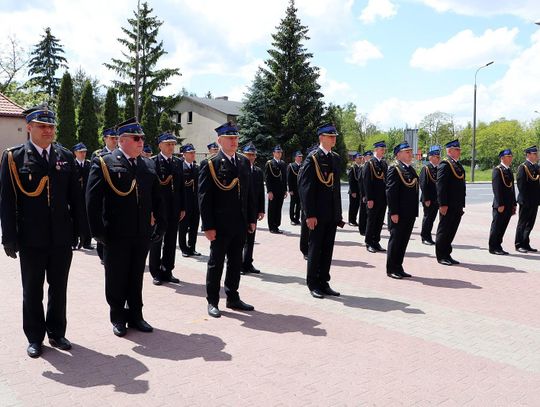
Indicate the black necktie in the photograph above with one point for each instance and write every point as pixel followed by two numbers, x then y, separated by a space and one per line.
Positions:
pixel 45 155
pixel 132 161
pixel 233 162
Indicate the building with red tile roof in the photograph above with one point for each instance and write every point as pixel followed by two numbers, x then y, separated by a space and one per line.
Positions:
pixel 12 123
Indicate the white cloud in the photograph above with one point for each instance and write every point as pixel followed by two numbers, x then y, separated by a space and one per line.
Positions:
pixel 528 10
pixel 335 91
pixel 465 50
pixel 377 9
pixel 361 52
pixel 515 96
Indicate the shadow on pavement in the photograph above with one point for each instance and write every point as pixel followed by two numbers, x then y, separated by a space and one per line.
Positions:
pixel 418 254
pixel 347 243
pixel 277 323
pixel 489 268
pixel 85 368
pixel 174 346
pixel 444 282
pixel 376 304
pixel 351 263
pixel 276 278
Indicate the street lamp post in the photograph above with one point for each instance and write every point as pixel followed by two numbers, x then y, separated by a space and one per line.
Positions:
pixel 473 155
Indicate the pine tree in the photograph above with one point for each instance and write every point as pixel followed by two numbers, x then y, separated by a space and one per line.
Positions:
pixel 296 108
pixel 110 114
pixel 253 117
pixel 149 122
pixel 150 51
pixel 46 60
pixel 129 108
pixel 66 132
pixel 87 125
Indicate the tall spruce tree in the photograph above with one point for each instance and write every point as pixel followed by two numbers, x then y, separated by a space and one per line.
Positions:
pixel 296 104
pixel 87 125
pixel 66 131
pixel 253 119
pixel 46 60
pixel 150 51
pixel 110 113
pixel 149 121
pixel 129 108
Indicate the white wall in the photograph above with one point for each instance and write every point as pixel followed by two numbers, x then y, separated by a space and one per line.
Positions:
pixel 12 131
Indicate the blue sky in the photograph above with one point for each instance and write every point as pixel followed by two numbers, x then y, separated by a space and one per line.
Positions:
pixel 397 60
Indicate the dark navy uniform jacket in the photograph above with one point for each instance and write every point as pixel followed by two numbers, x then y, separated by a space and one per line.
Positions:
pixel 172 191
pixel 451 183
pixel 226 211
pixel 402 190
pixel 46 219
pixel 112 216
pixel 292 176
pixel 528 184
pixel 428 183
pixel 275 175
pixel 502 182
pixel 374 180
pixel 317 199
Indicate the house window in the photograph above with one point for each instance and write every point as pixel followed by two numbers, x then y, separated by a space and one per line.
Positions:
pixel 190 117
pixel 179 117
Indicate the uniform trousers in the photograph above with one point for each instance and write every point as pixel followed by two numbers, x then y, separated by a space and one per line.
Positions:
pixel 354 205
pixel 228 244
pixel 99 249
pixel 188 226
pixel 526 220
pixel 320 250
pixel 400 234
pixel 430 213
pixel 124 268
pixel 247 254
pixel 274 211
pixel 294 208
pixel 163 253
pixel 446 231
pixel 304 235
pixel 498 227
pixel 375 220
pixel 37 264
pixel 362 218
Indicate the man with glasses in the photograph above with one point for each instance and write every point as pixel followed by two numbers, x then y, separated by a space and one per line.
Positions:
pixel 38 206
pixel 123 200
pixel 228 213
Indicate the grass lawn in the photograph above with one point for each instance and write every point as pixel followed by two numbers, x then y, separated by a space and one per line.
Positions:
pixel 479 175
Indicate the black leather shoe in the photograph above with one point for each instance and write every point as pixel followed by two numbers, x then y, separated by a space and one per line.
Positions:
pixel 172 279
pixel 353 224
pixel 316 293
pixel 497 252
pixel 278 232
pixel 305 257
pixel 294 223
pixel 530 249
pixel 88 247
pixel 394 275
pixel 34 349
pixel 119 329
pixel 252 270
pixel 239 305
pixel 379 248
pixel 428 242
pixel 185 254
pixel 213 311
pixel 403 274
pixel 371 249
pixel 329 291
pixel 453 261
pixel 60 343
pixel 521 249
pixel 156 281
pixel 141 325
pixel 445 262
pixel 194 253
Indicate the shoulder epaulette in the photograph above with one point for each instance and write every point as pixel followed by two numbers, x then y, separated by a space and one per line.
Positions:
pixel 336 154
pixel 14 147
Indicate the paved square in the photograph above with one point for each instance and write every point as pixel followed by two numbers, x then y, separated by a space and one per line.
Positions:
pixel 460 335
